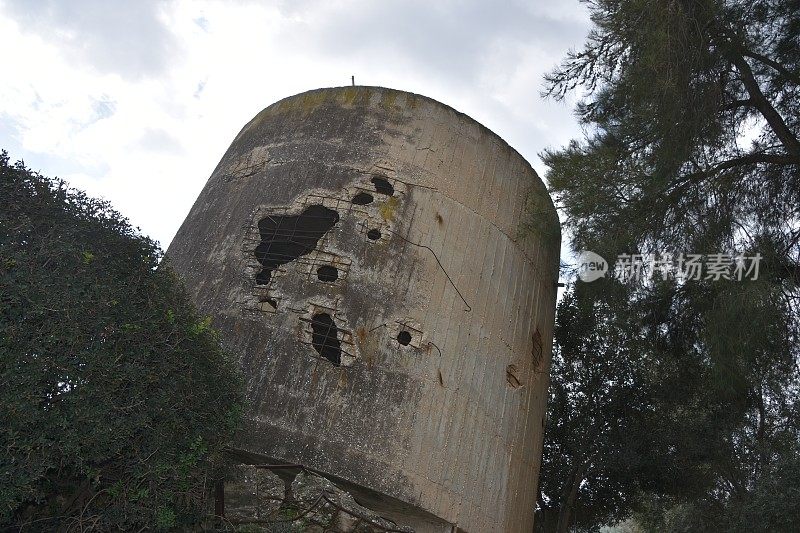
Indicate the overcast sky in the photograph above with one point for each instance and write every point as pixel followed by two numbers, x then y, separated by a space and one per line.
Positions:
pixel 136 101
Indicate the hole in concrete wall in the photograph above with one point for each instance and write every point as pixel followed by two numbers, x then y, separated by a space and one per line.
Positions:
pixel 373 234
pixel 262 278
pixel 362 198
pixel 284 238
pixel 404 338
pixel 327 273
pixel 383 186
pixel 325 339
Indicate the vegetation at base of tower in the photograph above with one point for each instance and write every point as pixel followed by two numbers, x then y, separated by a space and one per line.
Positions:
pixel 677 402
pixel 117 399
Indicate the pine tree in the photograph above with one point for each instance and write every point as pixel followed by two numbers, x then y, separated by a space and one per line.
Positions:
pixel 692 116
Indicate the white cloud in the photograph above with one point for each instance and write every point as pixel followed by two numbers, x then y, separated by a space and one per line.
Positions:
pixel 141 112
pixel 128 38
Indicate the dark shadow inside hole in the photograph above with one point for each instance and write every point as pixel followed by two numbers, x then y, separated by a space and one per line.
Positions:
pixel 263 277
pixel 325 339
pixel 373 235
pixel 327 273
pixel 284 238
pixel 383 186
pixel 404 338
pixel 362 198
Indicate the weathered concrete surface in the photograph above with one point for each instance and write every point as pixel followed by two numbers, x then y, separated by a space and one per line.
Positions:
pixel 450 419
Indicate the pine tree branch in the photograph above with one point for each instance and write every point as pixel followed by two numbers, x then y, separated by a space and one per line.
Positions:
pixel 754 158
pixel 783 71
pixel 745 160
pixel 770 114
pixel 749 159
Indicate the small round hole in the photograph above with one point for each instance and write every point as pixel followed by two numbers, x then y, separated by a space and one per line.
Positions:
pixel 404 338
pixel 327 273
pixel 362 198
pixel 373 235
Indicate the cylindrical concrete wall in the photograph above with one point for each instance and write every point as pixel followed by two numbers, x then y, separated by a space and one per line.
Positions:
pixel 385 268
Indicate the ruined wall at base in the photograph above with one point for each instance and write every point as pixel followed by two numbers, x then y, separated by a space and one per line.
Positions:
pixel 385 269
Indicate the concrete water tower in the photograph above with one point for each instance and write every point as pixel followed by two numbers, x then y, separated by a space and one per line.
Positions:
pixel 385 269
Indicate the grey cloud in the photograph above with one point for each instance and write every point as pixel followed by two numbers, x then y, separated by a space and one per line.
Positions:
pixel 449 38
pixel 111 35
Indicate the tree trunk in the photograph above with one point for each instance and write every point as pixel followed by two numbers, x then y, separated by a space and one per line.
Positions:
pixel 770 114
pixel 569 496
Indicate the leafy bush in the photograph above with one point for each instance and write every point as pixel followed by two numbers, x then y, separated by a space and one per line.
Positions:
pixel 117 399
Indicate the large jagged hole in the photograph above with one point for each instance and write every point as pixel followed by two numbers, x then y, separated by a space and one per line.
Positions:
pixel 325 338
pixel 284 238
